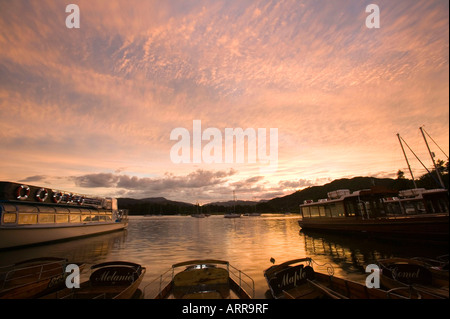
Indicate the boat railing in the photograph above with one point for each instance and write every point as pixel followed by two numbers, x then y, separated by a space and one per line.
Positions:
pixel 154 289
pixel 244 281
pixel 24 275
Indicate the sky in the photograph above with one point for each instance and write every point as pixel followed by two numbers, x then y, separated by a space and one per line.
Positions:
pixel 99 109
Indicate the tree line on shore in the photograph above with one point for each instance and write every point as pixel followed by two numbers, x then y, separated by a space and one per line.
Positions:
pixel 286 204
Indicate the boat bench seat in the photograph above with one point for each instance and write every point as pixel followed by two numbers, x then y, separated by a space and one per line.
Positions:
pixel 302 292
pixel 206 276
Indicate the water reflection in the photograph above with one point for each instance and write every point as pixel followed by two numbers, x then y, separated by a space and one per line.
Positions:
pixel 351 254
pixel 247 243
pixel 89 250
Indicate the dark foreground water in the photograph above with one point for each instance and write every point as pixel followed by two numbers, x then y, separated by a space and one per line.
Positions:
pixel 247 243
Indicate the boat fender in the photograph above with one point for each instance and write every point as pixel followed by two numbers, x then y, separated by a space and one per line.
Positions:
pixel 42 195
pixel 57 196
pixel 22 192
pixel 68 198
pixel 80 200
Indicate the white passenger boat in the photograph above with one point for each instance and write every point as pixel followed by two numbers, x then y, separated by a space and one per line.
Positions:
pixel 417 214
pixel 33 215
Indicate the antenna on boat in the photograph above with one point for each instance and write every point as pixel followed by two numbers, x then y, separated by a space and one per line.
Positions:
pixel 401 139
pixel 432 157
pixel 435 142
pixel 406 158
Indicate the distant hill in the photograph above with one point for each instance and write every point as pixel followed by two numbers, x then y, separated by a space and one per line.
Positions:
pixel 288 203
pixel 154 206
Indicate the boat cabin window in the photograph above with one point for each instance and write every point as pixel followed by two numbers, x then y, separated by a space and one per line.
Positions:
pixel 62 218
pixel 437 206
pixel 394 208
pixel 414 207
pixel 326 210
pixel 30 214
pixel 9 218
pixel 305 212
pixel 8 214
pixel 314 211
pixel 85 215
pixel 27 219
pixel 352 209
pixel 75 218
pixel 46 218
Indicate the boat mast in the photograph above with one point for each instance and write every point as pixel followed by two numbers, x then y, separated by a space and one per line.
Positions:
pixel 432 158
pixel 407 162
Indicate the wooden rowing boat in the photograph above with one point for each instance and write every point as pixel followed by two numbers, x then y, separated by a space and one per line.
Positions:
pixel 201 279
pixel 32 278
pixel 109 280
pixel 427 277
pixel 296 279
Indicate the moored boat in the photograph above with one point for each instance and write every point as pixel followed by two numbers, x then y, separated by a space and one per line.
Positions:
pixel 421 215
pixel 33 277
pixel 33 215
pixel 232 215
pixel 108 280
pixel 201 279
pixel 431 281
pixel 296 279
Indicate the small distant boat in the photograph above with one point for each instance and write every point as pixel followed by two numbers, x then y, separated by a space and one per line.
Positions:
pixel 197 213
pixel 429 278
pixel 109 280
pixel 202 279
pixel 232 215
pixel 296 279
pixel 252 214
pixel 33 277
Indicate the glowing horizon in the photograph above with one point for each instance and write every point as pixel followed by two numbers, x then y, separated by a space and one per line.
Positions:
pixel 91 110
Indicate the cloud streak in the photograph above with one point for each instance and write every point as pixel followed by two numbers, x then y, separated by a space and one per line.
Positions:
pixel 105 97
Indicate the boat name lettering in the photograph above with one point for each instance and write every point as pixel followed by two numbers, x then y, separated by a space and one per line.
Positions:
pixel 56 281
pixel 293 278
pixel 397 274
pixel 107 276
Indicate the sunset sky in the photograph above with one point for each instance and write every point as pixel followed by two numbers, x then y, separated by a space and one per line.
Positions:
pixel 91 109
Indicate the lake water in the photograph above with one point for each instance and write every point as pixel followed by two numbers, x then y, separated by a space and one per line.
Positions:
pixel 247 243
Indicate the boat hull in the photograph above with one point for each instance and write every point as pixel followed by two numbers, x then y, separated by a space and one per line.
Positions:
pixel 429 281
pixel 33 277
pixel 11 237
pixel 430 228
pixel 296 279
pixel 111 280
